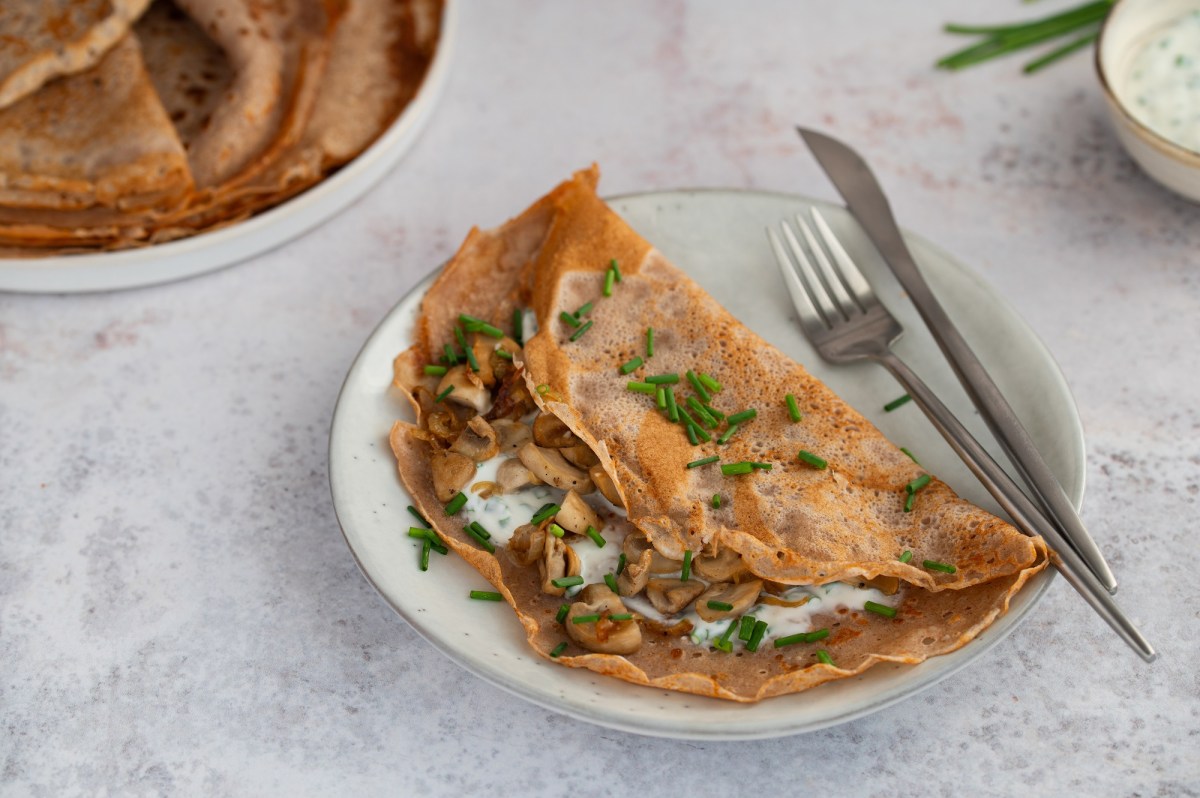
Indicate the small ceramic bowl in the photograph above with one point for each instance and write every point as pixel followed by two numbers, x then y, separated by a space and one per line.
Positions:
pixel 1125 31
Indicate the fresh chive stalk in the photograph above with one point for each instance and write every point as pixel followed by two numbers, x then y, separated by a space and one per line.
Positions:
pixel 479 530
pixel 720 606
pixel 704 461
pixel 568 319
pixel 503 353
pixel 715 413
pixel 556 530
pixel 744 416
pixel 663 379
pixel 548 510
pixel 802 637
pixel 557 651
pixel 698 386
pixel 518 325
pixel 621 563
pixel 908 502
pixel 584 309
pixel 449 390
pixel 611 581
pixel 918 483
pixel 562 613
pixel 906 556
pixel 416 514
pixel 672 410
pixel 567 581
pixel 641 387
pixel 649 342
pixel 699 410
pixel 587 325
pixel 747 627
pixel 756 636
pixel 435 371
pixel 911 456
pixel 716 501
pixel 660 397
pixel 609 277
pixel 612 264
pixel 822 657
pixel 709 383
pixel 621 616
pixel 880 609
pixel 451 355
pixel 456 503
pixel 426 545
pixel 792 408
pixel 596 537
pixel 631 365
pixel 486 595
pixel 692 429
pixel 685 573
pixel 1001 39
pixel 811 459
pixel 934 565
pixel 736 469
pixel 762 466
pixel 480 539
pixel 585 619
pixel 727 434
pixel 899 401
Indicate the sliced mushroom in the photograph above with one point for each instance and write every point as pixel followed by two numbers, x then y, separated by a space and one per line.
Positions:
pixel 512 399
pixel 451 471
pixel 527 544
pixel 669 596
pixel 741 596
pixel 606 485
pixel 725 567
pixel 635 543
pixel 576 516
pixel 551 432
pixel 477 441
pixel 604 636
pixel 550 467
pixel 512 475
pixel 558 560
pixel 443 424
pixel 512 435
pixel 581 455
pixel 635 575
pixel 888 585
pixel 466 391
pixel 482 347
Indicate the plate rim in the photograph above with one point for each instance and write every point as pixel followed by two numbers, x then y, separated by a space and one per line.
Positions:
pixel 973 650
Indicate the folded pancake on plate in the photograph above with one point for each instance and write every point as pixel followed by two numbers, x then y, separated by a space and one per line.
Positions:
pixel 657 511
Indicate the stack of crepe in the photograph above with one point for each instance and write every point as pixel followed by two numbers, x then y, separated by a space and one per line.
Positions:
pixel 790 525
pixel 126 123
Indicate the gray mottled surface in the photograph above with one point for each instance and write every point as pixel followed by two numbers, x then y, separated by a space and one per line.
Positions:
pixel 179 614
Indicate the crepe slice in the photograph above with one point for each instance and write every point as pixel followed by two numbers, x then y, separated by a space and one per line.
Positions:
pixel 43 39
pixel 97 139
pixel 792 525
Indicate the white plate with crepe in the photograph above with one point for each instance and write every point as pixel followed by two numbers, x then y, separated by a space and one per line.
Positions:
pixel 717 237
pixel 205 252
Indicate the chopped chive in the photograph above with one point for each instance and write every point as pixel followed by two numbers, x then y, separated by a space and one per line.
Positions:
pixel 672 410
pixel 479 325
pixel 918 483
pixel 596 537
pixel 486 595
pixel 518 325
pixel 418 516
pixel 490 331
pixel 467 351
pixel 908 502
pixel 612 264
pixel 456 503
pixel 802 637
pixel 793 408
pixel 451 356
pixel 562 613
pixel 584 309
pixel 503 353
pixel 724 638
pixel 548 510
pixel 811 459
pixel 474 363
pixel 880 609
pixel 558 650
pixel 715 413
pixel 585 619
pixel 611 581
pixel 428 534
pixel 762 466
pixel 734 469
pixel 426 545
pixel 747 627
pixel 449 390
pixel 649 342
pixel 694 427
pixel 701 391
pixel 727 434
pixel 632 365
pixel 621 563
pixel 438 547
pixel 663 379
pixel 435 371
pixel 709 382
pixel 569 319
pixel 621 616
pixel 418 532
pixel 479 530
pixel 480 539
pixel 716 501
pixel 745 415
pixel 660 397
pixel 720 606
pixel 609 276
pixel 587 325
pixel 760 629
pixel 699 410
pixel 910 455
pixel 892 405
pixel 906 556
pixel 542 389
pixel 823 657
pixel 470 322
pixel 934 565
pixel 641 387
pixel 685 573
pixel 567 581
pixel 704 461
pixel 691 433
pixel 556 530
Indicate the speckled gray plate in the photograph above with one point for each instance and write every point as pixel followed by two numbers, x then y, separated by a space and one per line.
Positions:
pixel 717 236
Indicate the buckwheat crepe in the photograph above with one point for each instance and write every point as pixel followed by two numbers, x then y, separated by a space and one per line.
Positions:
pixel 791 525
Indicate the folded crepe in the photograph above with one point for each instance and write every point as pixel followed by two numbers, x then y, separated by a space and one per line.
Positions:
pixel 791 525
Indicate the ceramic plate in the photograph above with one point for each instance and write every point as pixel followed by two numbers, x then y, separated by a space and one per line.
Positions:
pixel 717 237
pixel 109 271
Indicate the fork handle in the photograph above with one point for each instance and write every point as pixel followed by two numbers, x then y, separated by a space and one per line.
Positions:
pixel 1027 516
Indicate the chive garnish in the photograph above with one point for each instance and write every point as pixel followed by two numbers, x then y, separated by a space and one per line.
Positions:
pixel 556 530
pixel 451 355
pixel 802 637
pixel 892 405
pixel 486 595
pixel 824 658
pixel 435 371
pixel 542 389
pixel 735 469
pixel 641 387
pixel 720 606
pixel 910 455
pixel 724 638
pixel 632 365
pixel 596 537
pixel 747 627
pixel 621 616
pixel 621 563
pixel 793 408
pixel 518 325
pixel 649 342
pixel 672 410
pixel 480 539
pixel 609 276
pixel 880 609
pixel 761 466
pixel 462 341
pixel 470 353
pixel 663 379
pixel 449 390
pixel 701 391
pixel 587 325
pixel 548 510
pixel 479 530
pixel 699 410
pixel 811 459
pixel 584 309
pixel 612 264
pixel 569 319
pixel 585 619
pixel 709 382
pixel 908 502
pixel 694 427
pixel 611 581
pixel 503 353
pixel 934 565
pixel 727 434
pixel 417 532
pixel 558 650
pixel 906 556
pixel 426 545
pixel 715 413
pixel 660 397
pixel 455 504
pixel 716 501
pixel 418 516
pixel 691 433
pixel 704 461
pixel 567 581
pixel 918 483
pixel 431 536
pixel 685 573
pixel 562 613
pixel 760 629
pixel 745 415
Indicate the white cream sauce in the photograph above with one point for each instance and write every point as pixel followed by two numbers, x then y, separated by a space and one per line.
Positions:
pixel 1164 82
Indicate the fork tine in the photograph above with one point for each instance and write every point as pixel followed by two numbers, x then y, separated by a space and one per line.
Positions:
pixel 809 278
pixel 829 277
pixel 855 281
pixel 810 317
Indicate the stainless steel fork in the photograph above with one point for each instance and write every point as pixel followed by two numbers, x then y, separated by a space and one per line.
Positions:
pixel 845 321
